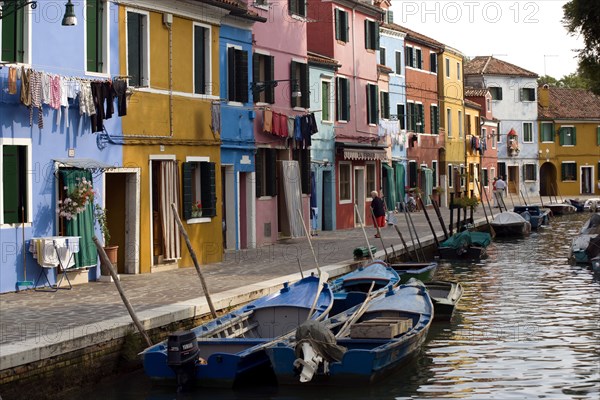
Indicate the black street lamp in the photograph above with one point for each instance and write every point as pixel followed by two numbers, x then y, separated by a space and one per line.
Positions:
pixel 9 7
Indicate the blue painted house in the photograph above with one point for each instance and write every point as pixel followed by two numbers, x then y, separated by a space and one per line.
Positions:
pixel 46 151
pixel 322 72
pixel 237 133
pixel 391 55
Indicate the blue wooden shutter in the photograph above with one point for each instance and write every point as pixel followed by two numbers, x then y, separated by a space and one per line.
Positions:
pixel 186 190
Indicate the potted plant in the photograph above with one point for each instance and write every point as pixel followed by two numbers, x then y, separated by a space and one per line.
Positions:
pixel 197 210
pixel 111 251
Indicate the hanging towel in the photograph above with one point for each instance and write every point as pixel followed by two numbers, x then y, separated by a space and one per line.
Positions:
pixel 284 126
pixel 290 126
pixel 45 87
pixel 86 101
pixel 277 124
pixel 12 80
pixel 268 121
pixel 26 86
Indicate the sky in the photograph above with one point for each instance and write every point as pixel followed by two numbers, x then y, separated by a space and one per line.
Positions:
pixel 528 34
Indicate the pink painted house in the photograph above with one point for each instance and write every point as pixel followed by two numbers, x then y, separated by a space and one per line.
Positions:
pixel 348 31
pixel 280 89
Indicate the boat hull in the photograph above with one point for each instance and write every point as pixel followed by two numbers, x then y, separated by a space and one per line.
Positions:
pixel 445 295
pixel 423 272
pixel 511 230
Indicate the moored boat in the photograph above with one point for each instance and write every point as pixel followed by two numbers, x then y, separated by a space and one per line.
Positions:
pixel 445 295
pixel 352 288
pixel 422 271
pixel 561 208
pixel 392 328
pixel 510 224
pixel 466 245
pixel 227 349
pixel 586 245
pixel 538 216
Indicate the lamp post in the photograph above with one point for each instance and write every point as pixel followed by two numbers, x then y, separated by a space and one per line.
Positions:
pixel 8 7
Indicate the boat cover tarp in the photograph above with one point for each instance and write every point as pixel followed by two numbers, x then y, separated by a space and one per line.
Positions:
pixel 593 248
pixel 321 339
pixel 508 218
pixel 466 239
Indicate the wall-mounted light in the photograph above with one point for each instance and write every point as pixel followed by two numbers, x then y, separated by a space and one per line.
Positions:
pixel 13 6
pixel 69 19
pixel 260 86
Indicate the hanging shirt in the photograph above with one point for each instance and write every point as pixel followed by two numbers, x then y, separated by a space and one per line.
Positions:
pixel 45 87
pixel 268 121
pixel 277 124
pixel 26 86
pixel 36 98
pixel 86 101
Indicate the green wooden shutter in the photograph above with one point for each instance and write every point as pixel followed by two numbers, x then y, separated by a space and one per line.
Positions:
pixel 12 33
pixel 134 49
pixel 10 177
pixel 271 175
pixel 338 28
pixel 186 190
pixel 305 86
pixel 92 34
pixel 231 74
pixel 376 34
pixel 209 189
pixel 259 168
pixel 574 136
pixel 199 60
pixel 345 27
pixel 347 99
pixel 561 136
pixel 367 35
pixel 563 171
pixel 598 136
pixel 241 69
pixel 325 101
pixel 338 99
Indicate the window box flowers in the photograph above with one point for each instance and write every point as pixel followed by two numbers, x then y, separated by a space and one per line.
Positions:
pixel 197 210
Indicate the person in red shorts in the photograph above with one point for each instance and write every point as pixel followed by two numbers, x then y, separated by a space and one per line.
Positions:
pixel 378 210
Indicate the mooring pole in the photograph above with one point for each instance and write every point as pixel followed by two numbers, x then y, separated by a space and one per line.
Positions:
pixel 439 215
pixel 428 221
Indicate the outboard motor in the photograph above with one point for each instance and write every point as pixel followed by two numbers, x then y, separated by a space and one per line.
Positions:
pixel 182 356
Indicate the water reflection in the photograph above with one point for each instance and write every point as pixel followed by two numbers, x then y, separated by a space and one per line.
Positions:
pixel 528 326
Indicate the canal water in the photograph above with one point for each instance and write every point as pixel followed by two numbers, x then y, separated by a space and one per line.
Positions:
pixel 528 326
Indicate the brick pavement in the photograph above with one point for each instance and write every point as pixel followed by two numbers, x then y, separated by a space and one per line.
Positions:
pixel 30 314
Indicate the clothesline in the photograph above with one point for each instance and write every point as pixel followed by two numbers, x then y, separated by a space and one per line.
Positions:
pixel 96 96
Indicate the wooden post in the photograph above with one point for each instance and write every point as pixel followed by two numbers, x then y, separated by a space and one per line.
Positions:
pixel 480 185
pixel 364 231
pixel 523 197
pixel 412 239
pixel 451 213
pixel 541 200
pixel 195 260
pixel 416 235
pixel 104 259
pixel 428 221
pixel 439 215
pixel 387 257
pixel 309 241
pixel 408 252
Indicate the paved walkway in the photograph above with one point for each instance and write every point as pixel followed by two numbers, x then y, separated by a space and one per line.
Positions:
pixel 37 316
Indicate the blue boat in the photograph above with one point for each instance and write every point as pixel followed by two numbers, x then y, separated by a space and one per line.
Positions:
pixel 538 216
pixel 391 329
pixel 351 289
pixel 228 349
pixel 586 245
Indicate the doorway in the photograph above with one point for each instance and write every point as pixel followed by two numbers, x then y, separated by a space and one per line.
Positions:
pixel 587 182
pixel 360 196
pixel 513 179
pixel 547 179
pixel 229 210
pixel 122 204
pixel 327 212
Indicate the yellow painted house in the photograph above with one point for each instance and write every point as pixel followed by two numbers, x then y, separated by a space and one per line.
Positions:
pixel 452 116
pixel 569 150
pixel 472 147
pixel 169 53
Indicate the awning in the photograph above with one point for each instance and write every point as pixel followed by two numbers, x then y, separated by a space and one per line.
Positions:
pixel 83 163
pixel 365 154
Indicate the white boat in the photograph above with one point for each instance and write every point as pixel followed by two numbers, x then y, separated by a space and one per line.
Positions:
pixel 510 223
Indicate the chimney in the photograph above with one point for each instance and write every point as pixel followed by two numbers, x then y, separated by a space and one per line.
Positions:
pixel 544 96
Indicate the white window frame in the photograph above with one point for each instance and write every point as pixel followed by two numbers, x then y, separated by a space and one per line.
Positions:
pixel 570 127
pixel 350 178
pixel 569 162
pixel 17 142
pixel 488 179
pixel 396 72
pixel 201 220
pixel 147 38
pixel 105 42
pixel 385 55
pixel 531 125
pixel 492 173
pixel 542 132
pixel 208 73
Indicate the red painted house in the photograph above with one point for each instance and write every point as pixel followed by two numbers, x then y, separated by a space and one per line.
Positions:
pixel 348 31
pixel 425 137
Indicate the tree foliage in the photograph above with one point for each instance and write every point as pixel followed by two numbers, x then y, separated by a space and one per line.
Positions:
pixel 574 80
pixel 582 17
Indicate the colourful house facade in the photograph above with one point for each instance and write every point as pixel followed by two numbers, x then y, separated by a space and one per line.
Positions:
pixel 569 142
pixel 57 143
pixel 426 141
pixel 514 100
pixel 348 31
pixel 452 119
pixel 170 136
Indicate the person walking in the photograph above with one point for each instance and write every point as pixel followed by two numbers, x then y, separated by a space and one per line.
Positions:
pixel 500 189
pixel 378 210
